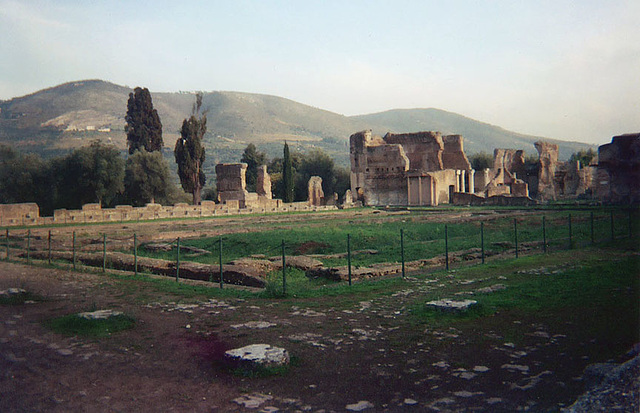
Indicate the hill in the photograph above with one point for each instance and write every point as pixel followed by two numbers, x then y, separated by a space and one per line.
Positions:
pixel 67 116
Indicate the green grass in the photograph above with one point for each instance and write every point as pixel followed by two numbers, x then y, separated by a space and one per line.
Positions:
pixel 423 238
pixel 73 325
pixel 596 283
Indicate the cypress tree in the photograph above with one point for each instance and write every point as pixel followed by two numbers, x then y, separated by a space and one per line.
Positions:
pixel 287 175
pixel 190 153
pixel 144 129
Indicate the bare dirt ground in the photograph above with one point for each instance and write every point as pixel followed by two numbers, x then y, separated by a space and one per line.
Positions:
pixel 345 349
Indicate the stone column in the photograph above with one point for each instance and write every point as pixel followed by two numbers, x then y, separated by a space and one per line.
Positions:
pixel 462 181
pixel 457 180
pixel 472 181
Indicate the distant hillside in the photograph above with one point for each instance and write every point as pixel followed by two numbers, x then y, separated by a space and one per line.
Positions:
pixel 478 136
pixel 64 117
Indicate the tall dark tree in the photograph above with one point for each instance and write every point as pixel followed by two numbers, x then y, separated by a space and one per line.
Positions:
pixel 253 159
pixel 144 130
pixel 287 175
pixel 190 153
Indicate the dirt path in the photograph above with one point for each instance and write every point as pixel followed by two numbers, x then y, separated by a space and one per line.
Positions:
pixel 344 351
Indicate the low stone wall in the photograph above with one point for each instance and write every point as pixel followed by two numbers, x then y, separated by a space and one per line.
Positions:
pixel 460 198
pixel 19 214
pixel 28 214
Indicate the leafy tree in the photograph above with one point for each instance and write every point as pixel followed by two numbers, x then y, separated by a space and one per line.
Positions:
pixel 584 157
pixel 144 130
pixel 287 175
pixel 190 154
pixel 319 163
pixel 25 178
pixel 481 160
pixel 94 173
pixel 253 159
pixel 147 179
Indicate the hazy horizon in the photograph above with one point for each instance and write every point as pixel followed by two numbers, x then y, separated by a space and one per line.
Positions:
pixel 562 69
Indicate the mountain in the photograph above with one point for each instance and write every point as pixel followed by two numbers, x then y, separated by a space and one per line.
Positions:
pixel 478 136
pixel 67 116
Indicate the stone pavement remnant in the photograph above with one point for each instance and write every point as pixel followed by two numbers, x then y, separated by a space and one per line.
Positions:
pixel 259 355
pixel 99 314
pixel 360 406
pixel 451 305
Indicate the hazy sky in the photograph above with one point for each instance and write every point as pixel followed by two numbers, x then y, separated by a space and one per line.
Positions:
pixel 560 69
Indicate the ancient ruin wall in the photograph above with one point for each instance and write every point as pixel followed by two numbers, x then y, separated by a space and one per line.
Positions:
pixel 263 186
pixel 453 156
pixel 424 149
pixel 384 178
pixel 547 166
pixel 315 192
pixel 231 182
pixel 619 169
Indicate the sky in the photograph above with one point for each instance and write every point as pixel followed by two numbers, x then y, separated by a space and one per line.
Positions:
pixel 560 69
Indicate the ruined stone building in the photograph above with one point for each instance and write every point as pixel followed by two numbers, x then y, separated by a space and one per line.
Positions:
pixel 422 168
pixel 232 187
pixel 618 175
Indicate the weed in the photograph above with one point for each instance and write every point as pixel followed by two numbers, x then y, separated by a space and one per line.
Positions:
pixel 74 325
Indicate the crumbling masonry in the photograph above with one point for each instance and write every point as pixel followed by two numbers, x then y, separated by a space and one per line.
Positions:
pixel 422 168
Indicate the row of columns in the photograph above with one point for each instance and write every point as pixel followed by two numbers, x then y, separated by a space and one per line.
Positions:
pixel 463 176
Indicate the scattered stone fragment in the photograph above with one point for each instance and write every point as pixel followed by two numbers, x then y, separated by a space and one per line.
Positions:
pixel 451 305
pixel 531 382
pixel 309 313
pixel 254 324
pixel 466 394
pixel 493 400
pixel 481 369
pixel 99 314
pixel 12 291
pixel 517 367
pixel 410 402
pixel 360 406
pixel 264 355
pixel 65 352
pixel 491 289
pixel 252 401
pixel 441 364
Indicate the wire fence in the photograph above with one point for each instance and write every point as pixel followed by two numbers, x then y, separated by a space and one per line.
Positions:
pixel 402 245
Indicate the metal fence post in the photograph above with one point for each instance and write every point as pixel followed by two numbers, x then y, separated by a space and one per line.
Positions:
pixel 515 233
pixel 135 254
pixel 28 246
pixel 570 234
pixel 74 250
pixel 544 235
pixel 221 271
pixel 178 262
pixel 446 248
pixel 349 256
pixel 104 252
pixel 482 241
pixel 284 272
pixel 49 248
pixel 402 249
pixel 612 231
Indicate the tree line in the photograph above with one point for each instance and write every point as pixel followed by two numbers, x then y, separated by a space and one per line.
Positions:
pixel 98 173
